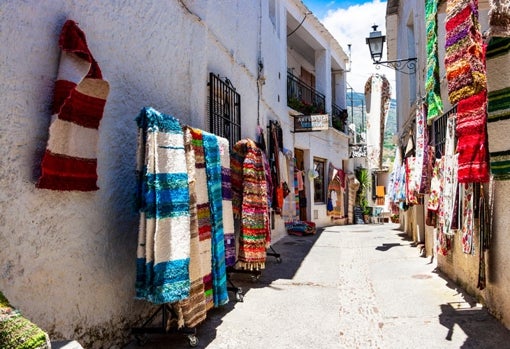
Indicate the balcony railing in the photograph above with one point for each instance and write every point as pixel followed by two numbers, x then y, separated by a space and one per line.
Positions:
pixel 339 118
pixel 303 98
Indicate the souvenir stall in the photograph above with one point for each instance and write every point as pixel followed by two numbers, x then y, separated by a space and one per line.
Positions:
pixel 188 196
pixel 336 193
pixel 458 154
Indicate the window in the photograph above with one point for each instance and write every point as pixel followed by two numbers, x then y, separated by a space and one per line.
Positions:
pixel 224 109
pixel 438 131
pixel 319 180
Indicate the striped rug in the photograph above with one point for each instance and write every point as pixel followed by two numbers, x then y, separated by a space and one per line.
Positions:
pixel 163 198
pixel 251 204
pixel 203 215
pixel 70 160
pixel 214 190
pixel 192 310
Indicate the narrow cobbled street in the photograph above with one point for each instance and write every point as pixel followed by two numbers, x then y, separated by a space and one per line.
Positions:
pixel 356 286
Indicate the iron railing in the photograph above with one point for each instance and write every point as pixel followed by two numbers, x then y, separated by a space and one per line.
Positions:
pixel 303 98
pixel 339 118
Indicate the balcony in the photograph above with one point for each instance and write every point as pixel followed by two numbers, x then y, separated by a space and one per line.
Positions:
pixel 303 98
pixel 339 118
pixel 308 101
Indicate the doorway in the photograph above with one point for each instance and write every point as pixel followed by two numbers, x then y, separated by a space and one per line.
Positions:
pixel 301 195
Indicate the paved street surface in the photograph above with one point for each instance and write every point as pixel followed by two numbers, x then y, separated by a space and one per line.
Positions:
pixel 357 286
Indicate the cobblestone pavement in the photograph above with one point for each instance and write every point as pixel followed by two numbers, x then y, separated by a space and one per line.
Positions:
pixel 357 286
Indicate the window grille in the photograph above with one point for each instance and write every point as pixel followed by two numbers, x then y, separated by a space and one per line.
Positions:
pixel 224 109
pixel 438 131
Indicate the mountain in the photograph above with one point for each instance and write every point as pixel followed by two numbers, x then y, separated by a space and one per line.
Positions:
pixel 356 108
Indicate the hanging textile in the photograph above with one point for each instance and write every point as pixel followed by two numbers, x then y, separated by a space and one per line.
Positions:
pixel 432 80
pixel 377 97
pixel 192 310
pixel 278 166
pixel 336 185
pixel 228 215
pixel 498 126
pixel 421 135
pixel 472 142
pixel 163 254
pixel 412 181
pixel 435 194
pixel 214 189
pixel 204 215
pixel 70 159
pixel 393 186
pixel 499 18
pixel 250 204
pixel 465 70
pixel 467 229
pixel 450 182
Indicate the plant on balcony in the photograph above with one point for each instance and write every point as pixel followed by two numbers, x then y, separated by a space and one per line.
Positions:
pixel 304 107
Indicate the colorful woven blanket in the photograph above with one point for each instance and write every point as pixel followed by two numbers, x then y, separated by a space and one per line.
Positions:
pixel 498 127
pixel 464 58
pixel 249 185
pixel 70 160
pixel 163 198
pixel 432 82
pixel 192 310
pixel 214 189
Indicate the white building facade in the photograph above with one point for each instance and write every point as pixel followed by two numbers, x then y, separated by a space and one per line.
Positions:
pixel 68 257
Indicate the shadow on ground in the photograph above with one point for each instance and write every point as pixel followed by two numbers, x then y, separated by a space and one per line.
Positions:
pixel 283 260
pixel 481 328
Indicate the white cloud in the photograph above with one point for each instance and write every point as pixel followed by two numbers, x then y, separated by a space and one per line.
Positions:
pixel 352 26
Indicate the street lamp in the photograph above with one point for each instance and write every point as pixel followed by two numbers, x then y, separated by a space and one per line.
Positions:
pixel 375 42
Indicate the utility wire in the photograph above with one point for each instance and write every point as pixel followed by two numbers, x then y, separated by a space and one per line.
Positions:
pixel 292 32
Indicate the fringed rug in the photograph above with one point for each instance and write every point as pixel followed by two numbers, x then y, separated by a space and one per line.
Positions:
pixel 464 57
pixel 192 310
pixel 164 235
pixel 498 127
pixel 214 189
pixel 472 143
pixel 249 184
pixel 204 216
pixel 70 160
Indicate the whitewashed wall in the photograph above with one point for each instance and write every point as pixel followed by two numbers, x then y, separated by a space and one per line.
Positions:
pixel 330 145
pixel 68 259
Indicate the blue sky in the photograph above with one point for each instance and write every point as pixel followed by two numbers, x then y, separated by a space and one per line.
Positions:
pixel 321 7
pixel 350 22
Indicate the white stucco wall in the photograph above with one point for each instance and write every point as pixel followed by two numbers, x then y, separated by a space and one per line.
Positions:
pixel 68 258
pixel 330 145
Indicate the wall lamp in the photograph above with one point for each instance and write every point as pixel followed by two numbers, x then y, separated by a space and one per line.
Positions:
pixel 375 42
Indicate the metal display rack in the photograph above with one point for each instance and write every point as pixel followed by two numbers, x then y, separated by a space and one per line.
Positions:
pixel 166 313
